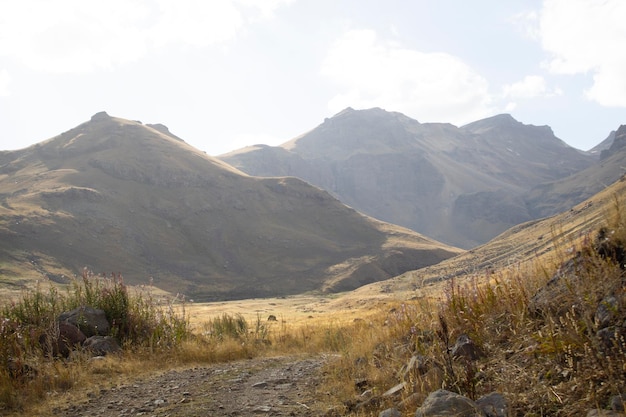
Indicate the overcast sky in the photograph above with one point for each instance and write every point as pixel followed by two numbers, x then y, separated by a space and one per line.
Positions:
pixel 223 74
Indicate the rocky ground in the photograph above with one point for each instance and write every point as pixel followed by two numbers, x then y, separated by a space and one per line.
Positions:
pixel 282 386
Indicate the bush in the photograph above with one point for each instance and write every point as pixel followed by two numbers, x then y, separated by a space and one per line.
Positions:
pixel 137 321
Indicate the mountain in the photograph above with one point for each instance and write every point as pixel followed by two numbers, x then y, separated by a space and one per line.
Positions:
pixel 546 241
pixel 459 185
pixel 557 196
pixel 116 195
pixel 603 145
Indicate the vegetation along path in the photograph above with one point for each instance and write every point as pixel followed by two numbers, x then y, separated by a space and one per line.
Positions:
pixel 279 386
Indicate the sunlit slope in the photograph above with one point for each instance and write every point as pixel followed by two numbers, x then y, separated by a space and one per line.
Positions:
pixel 117 195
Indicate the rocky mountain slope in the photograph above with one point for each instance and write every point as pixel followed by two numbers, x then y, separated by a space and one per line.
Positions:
pixel 461 186
pixel 549 198
pixel 117 195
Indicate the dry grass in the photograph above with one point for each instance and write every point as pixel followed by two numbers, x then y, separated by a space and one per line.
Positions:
pixel 184 335
pixel 549 364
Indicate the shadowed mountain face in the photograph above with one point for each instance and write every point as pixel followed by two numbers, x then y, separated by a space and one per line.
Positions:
pixel 550 198
pixel 116 195
pixel 461 186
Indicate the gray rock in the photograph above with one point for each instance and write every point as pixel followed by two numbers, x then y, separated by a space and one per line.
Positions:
pixel 102 345
pixel 60 342
pixel 418 364
pixel 605 313
pixel 91 321
pixel 617 402
pixel 611 338
pixel 446 403
pixel 465 348
pixel 493 405
pixel 390 412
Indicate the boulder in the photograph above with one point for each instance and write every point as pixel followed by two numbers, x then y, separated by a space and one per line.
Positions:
pixel 465 348
pixel 446 403
pixel 493 405
pixel 91 321
pixel 417 365
pixel 555 296
pixel 102 345
pixel 611 339
pixel 605 313
pixel 18 369
pixel 617 403
pixel 390 412
pixel 62 340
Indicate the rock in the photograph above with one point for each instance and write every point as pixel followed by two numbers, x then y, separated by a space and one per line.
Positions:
pixel 91 321
pixel 101 345
pixel 100 116
pixel 65 338
pixel 465 348
pixel 20 370
pixel 493 405
pixel 446 403
pixel 611 337
pixel 394 390
pixel 617 402
pixel 605 313
pixel 609 247
pixel 554 296
pixel 418 364
pixel 262 409
pixel 70 337
pixel 390 412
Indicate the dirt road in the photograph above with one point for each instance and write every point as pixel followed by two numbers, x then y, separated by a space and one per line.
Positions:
pixel 282 386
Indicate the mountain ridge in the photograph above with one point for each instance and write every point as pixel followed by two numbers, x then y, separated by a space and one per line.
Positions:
pixel 429 177
pixel 114 194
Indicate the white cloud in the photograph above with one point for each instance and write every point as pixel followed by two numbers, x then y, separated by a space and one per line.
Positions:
pixel 428 86
pixel 78 36
pixel 5 80
pixel 71 35
pixel 527 23
pixel 588 36
pixel 532 86
pixel 196 22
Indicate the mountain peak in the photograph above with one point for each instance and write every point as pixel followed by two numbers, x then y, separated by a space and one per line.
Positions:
pixel 373 112
pixel 619 143
pixel 100 116
pixel 499 120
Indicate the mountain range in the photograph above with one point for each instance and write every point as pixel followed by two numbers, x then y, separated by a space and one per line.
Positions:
pixel 459 185
pixel 115 195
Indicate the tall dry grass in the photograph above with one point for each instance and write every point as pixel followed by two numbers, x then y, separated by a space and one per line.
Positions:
pixel 554 362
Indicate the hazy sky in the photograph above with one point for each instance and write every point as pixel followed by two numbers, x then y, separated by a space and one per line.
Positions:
pixel 222 74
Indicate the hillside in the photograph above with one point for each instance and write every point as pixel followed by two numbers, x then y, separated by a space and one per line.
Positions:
pixel 462 186
pixel 117 195
pixel 554 197
pixel 531 242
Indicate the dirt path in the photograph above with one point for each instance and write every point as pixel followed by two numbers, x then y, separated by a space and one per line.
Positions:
pixel 283 386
